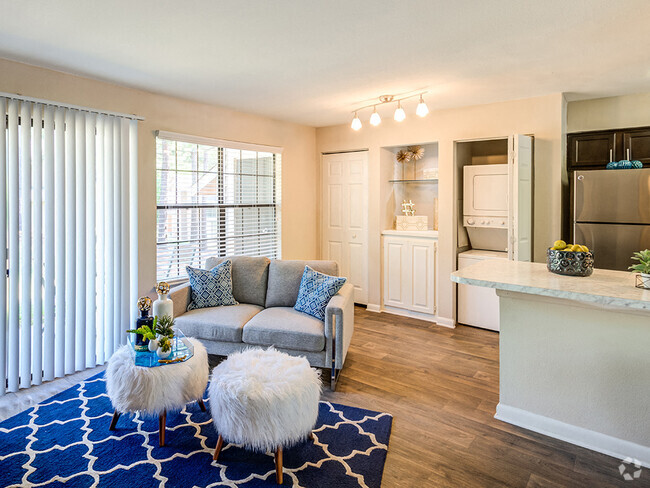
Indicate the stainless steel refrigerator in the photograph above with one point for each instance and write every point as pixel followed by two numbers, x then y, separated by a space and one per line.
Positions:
pixel 612 214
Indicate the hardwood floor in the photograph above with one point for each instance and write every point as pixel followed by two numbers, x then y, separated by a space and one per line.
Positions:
pixel 442 387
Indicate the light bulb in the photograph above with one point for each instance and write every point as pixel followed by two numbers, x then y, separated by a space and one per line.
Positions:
pixel 399 113
pixel 375 119
pixel 356 122
pixel 422 109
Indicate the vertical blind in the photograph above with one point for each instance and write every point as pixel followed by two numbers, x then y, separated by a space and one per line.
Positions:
pixel 68 236
pixel 214 198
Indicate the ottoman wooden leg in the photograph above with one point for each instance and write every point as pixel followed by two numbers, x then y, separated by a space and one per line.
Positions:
pixel 161 428
pixel 116 415
pixel 201 404
pixel 217 449
pixel 278 465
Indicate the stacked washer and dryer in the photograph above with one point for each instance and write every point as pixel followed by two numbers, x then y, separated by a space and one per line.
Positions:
pixel 497 211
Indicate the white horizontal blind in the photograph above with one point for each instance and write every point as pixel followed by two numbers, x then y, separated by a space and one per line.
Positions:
pixel 214 200
pixel 52 191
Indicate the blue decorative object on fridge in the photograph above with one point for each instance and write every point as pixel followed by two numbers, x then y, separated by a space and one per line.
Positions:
pixel 624 164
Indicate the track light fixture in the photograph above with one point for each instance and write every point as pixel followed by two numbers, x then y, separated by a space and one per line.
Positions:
pixel 422 109
pixel 399 112
pixel 375 119
pixel 399 115
pixel 356 122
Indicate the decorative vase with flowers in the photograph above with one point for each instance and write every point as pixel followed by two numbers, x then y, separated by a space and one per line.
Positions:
pixel 141 341
pixel 163 305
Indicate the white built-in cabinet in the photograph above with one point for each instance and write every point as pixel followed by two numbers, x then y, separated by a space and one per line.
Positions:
pixel 409 272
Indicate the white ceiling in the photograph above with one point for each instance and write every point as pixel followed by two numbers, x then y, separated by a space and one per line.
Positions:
pixel 313 61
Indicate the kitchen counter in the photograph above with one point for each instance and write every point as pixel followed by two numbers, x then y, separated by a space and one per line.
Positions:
pixel 603 287
pixel 574 354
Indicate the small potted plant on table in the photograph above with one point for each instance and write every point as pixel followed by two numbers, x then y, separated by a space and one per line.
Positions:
pixel 143 337
pixel 642 267
pixel 164 347
pixel 164 329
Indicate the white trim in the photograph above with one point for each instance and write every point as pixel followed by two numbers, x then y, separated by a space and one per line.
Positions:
pixel 373 307
pixel 603 443
pixel 15 96
pixel 245 146
pixel 402 312
pixel 446 322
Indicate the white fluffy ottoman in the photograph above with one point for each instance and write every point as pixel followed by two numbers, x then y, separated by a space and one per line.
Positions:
pixel 154 391
pixel 264 400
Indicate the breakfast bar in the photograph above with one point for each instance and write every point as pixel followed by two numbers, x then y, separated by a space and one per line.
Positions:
pixel 574 354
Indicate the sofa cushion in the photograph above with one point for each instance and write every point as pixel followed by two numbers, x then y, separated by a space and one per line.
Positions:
pixel 285 277
pixel 211 288
pixel 286 328
pixel 217 323
pixel 249 277
pixel 316 290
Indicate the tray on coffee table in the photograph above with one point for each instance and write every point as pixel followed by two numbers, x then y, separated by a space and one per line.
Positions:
pixel 182 350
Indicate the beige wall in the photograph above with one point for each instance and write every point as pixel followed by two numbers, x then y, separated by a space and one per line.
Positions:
pixel 542 117
pixel 300 179
pixel 609 113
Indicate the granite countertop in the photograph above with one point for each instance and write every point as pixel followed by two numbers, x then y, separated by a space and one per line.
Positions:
pixel 603 287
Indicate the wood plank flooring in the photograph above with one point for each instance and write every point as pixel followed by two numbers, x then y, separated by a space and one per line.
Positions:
pixel 442 387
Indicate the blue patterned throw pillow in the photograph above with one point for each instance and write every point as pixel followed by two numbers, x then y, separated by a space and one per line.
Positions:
pixel 211 288
pixel 316 289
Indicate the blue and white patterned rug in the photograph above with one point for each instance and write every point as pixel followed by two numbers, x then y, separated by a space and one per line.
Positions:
pixel 65 441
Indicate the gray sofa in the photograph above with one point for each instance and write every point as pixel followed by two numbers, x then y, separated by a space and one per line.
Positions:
pixel 266 291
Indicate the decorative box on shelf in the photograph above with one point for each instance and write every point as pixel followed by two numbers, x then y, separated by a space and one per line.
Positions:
pixel 182 350
pixel 411 222
pixel 430 173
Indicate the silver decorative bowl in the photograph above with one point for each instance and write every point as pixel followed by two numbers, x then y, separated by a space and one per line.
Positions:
pixel 570 263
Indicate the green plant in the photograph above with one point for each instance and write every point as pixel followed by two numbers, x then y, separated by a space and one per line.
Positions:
pixel 165 344
pixel 643 257
pixel 164 326
pixel 145 331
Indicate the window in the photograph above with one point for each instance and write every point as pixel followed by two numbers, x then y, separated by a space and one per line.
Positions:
pixel 214 198
pixel 68 234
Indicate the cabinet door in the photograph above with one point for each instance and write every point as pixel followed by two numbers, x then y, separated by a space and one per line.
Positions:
pixel 636 145
pixel 591 150
pixel 396 267
pixel 422 255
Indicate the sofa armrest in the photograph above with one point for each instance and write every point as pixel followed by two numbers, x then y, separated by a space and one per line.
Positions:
pixel 339 325
pixel 181 296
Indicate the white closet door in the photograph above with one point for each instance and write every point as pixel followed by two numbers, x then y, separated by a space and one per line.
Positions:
pixel 345 217
pixel 520 205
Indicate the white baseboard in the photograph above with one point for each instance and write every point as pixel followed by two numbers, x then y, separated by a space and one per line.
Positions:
pixel 603 443
pixel 445 322
pixel 409 313
pixel 372 307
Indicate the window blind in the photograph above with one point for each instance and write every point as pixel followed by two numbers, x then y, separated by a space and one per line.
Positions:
pixel 68 234
pixel 214 200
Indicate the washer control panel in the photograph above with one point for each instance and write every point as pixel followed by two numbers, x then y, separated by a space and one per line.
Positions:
pixel 492 222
